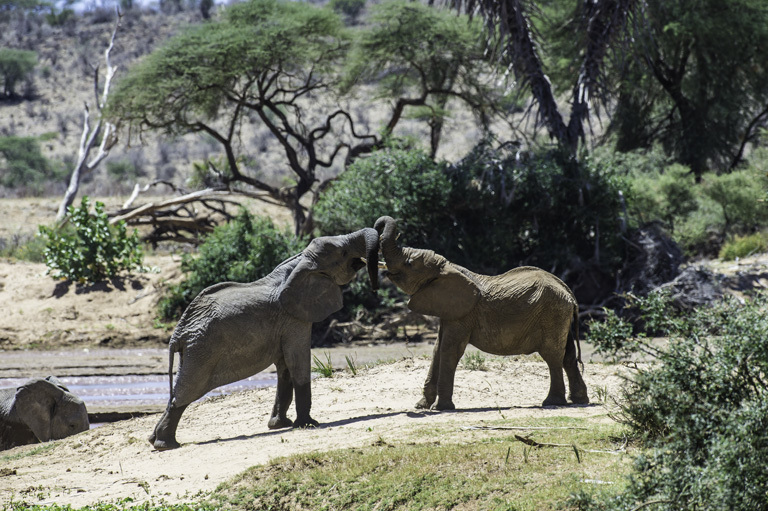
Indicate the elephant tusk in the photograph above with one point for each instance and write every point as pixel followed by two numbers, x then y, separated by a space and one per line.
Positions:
pixel 383 265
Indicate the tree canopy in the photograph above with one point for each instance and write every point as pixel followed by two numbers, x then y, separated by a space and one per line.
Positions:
pixel 284 62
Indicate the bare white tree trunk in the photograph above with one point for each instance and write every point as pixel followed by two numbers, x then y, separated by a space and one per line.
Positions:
pixel 85 163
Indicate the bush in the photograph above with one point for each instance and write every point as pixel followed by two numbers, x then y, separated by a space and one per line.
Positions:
pixel 24 247
pixel 15 66
pixel 24 165
pixel 404 184
pixel 740 195
pixel 668 196
pixel 88 249
pixel 743 246
pixel 544 209
pixel 701 412
pixel 243 250
pixel 487 212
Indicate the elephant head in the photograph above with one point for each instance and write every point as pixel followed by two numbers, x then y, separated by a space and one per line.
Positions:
pixel 311 290
pixel 48 408
pixel 437 287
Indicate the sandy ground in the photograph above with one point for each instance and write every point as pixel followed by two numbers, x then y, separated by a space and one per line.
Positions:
pixel 223 436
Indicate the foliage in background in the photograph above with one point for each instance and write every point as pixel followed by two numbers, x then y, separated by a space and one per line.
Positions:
pixel 15 66
pixel 23 247
pixel 489 212
pixel 23 165
pixel 418 57
pixel 743 246
pixel 701 411
pixel 244 250
pixel 695 79
pixel 88 249
pixel 405 184
pixel 349 8
pixel 700 217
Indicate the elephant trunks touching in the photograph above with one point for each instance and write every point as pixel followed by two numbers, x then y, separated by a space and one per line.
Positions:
pixel 387 229
pixel 372 255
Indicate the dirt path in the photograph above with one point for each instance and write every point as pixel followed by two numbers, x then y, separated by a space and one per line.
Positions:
pixel 223 436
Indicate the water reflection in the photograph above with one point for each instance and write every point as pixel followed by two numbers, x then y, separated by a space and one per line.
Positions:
pixel 137 390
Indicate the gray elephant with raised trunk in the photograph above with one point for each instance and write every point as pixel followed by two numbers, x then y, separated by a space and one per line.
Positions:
pixel 526 310
pixel 231 331
pixel 38 411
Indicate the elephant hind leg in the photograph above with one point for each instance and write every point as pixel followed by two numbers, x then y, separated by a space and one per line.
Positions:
pixel 164 435
pixel 576 385
pixel 556 395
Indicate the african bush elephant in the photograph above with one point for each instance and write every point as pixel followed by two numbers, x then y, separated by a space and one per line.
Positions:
pixel 231 331
pixel 38 411
pixel 523 311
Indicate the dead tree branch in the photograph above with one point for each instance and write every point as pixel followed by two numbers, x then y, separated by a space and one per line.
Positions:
pixel 90 135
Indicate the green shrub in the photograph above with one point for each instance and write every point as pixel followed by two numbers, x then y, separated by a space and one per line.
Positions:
pixel 25 248
pixel 701 412
pixel 22 164
pixel 123 170
pixel 743 246
pixel 61 18
pixel 544 209
pixel 243 250
pixel 88 249
pixel 404 184
pixel 15 66
pixel 740 195
pixel 668 196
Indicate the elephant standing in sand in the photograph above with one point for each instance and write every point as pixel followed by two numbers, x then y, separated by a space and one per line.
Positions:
pixel 231 331
pixel 523 311
pixel 38 411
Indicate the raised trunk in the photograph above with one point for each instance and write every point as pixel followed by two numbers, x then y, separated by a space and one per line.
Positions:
pixel 372 255
pixel 387 229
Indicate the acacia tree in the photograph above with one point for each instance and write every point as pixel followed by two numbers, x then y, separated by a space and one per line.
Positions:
pixel 419 58
pixel 283 62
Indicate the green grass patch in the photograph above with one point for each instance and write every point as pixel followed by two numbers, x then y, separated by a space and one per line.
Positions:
pixel 48 446
pixel 493 472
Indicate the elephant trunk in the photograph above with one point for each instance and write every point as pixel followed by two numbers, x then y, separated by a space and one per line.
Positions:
pixel 387 228
pixel 372 255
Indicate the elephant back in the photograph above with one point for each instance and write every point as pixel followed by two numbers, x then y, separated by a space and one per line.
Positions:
pixel 532 284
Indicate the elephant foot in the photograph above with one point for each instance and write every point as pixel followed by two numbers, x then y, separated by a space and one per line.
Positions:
pixel 580 399
pixel 309 422
pixel 444 405
pixel 424 404
pixel 278 422
pixel 555 401
pixel 165 445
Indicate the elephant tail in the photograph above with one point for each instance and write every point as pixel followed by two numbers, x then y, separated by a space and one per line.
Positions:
pixel 173 347
pixel 573 336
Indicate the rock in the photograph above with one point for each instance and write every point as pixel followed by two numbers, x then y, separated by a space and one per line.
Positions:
pixel 693 287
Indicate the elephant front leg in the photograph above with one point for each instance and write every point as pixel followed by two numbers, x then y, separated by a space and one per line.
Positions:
pixel 303 405
pixel 283 398
pixel 452 348
pixel 297 359
pixel 164 435
pixel 430 385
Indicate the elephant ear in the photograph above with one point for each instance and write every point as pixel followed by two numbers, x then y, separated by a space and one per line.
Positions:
pixel 34 403
pixel 309 295
pixel 452 295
